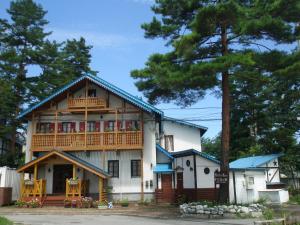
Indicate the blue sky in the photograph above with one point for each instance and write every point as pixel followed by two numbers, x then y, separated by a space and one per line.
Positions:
pixel 112 27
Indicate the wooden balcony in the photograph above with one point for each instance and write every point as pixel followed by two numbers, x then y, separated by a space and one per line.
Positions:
pixel 130 140
pixel 90 102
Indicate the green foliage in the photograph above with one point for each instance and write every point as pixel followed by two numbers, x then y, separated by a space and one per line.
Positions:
pixel 295 199
pixel 124 202
pixel 268 214
pixel 5 221
pixel 212 146
pixel 24 44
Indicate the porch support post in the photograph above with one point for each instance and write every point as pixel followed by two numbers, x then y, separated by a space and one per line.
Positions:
pixel 22 185
pixel 35 172
pixel 116 127
pixel 74 171
pixel 100 189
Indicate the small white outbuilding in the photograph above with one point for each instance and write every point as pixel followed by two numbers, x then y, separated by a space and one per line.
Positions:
pixel 10 178
pixel 256 177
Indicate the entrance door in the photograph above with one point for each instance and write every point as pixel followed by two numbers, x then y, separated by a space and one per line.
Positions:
pixel 60 174
pixel 180 183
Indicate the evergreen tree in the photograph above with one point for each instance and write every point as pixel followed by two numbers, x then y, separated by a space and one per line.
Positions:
pixel 208 41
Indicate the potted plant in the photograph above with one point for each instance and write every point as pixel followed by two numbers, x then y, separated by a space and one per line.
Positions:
pixel 86 202
pixel 29 182
pixel 102 205
pixel 67 203
pixel 74 203
pixel 73 181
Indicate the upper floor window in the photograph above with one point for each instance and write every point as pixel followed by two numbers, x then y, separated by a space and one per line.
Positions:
pixel 67 127
pixel 132 125
pixel 109 125
pixel 91 126
pixel 45 127
pixel 169 143
pixel 113 168
pixel 92 93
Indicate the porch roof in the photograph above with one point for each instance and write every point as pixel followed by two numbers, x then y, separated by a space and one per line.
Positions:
pixel 163 168
pixel 70 158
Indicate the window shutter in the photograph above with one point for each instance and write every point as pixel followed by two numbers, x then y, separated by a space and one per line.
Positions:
pixel 52 127
pixel 119 125
pixel 60 127
pixel 128 124
pixel 82 126
pixel 73 125
pixel 97 126
pixel 106 124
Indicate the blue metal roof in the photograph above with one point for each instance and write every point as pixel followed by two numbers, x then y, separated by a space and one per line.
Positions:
pixel 163 168
pixel 252 162
pixel 195 152
pixel 185 123
pixel 106 85
pixel 164 151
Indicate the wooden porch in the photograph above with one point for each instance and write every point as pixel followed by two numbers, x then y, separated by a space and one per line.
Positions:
pixel 34 188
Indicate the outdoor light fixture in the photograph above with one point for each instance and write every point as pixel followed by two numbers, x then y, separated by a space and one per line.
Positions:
pixel 49 170
pixel 151 183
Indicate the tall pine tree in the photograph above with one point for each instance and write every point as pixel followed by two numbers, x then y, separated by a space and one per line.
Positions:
pixel 208 41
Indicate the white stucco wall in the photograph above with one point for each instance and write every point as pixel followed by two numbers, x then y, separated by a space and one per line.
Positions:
pixel 272 174
pixel 205 180
pixel 188 171
pixel 243 194
pixel 185 137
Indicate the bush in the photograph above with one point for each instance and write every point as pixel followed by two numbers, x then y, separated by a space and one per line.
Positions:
pixel 268 214
pixel 124 202
pixel 20 204
pixel 295 199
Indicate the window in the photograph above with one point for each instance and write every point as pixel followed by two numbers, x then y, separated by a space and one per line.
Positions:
pixel 169 143
pixel 113 168
pixel 91 126
pixel 66 127
pixel 111 125
pixel 206 170
pixel 135 168
pixel 45 128
pixel 92 93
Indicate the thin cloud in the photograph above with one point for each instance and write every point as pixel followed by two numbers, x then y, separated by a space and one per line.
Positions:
pixel 147 2
pixel 96 39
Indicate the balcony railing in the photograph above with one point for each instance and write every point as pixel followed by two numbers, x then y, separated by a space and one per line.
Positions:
pixel 33 188
pixel 76 188
pixel 86 102
pixel 90 141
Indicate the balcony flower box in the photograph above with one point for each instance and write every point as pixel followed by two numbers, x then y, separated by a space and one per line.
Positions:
pixel 73 182
pixel 28 182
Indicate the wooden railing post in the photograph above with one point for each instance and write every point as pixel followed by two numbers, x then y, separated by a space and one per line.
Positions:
pixel 74 171
pixel 100 189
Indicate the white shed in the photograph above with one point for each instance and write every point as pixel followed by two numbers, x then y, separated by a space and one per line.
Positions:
pixel 10 178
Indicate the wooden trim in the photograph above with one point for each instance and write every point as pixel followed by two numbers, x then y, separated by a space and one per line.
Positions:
pixel 62 156
pixel 142 176
pixel 35 171
pixel 74 171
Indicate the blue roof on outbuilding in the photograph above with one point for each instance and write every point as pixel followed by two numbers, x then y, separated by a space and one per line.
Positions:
pixel 104 84
pixel 186 123
pixel 163 168
pixel 164 151
pixel 195 152
pixel 253 162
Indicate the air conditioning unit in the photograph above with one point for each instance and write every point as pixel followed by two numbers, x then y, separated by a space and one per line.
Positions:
pixel 249 182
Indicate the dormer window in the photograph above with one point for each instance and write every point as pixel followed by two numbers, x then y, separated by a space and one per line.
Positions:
pixel 92 93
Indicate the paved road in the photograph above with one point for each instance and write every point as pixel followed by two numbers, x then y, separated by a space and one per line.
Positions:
pixel 28 219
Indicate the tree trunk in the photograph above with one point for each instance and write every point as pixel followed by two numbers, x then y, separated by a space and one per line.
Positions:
pixel 224 188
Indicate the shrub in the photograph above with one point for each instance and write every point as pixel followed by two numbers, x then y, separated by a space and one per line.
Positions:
pixel 268 214
pixel 20 204
pixel 124 202
pixel 295 199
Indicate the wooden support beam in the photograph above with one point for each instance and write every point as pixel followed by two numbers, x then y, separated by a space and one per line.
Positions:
pixel 74 171
pixel 100 189
pixel 142 176
pixel 35 171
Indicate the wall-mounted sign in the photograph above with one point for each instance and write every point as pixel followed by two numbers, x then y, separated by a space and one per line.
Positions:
pixel 221 178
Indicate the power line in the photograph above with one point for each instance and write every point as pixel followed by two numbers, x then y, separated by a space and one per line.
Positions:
pixel 213 107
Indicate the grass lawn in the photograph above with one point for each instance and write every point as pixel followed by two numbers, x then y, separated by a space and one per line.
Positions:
pixel 4 221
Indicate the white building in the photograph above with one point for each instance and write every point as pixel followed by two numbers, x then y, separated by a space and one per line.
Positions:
pixel 90 138
pixel 256 177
